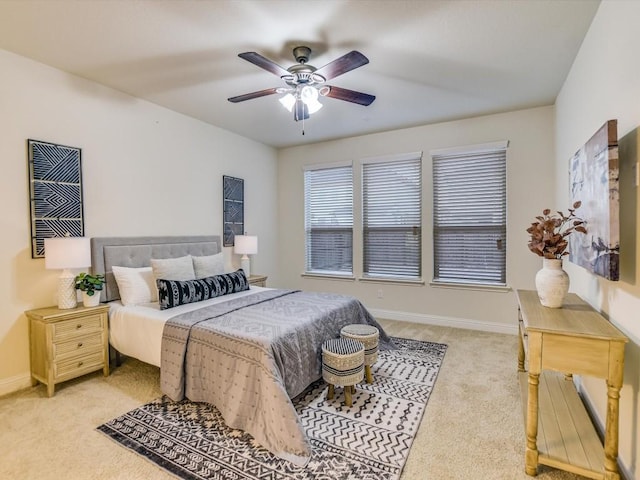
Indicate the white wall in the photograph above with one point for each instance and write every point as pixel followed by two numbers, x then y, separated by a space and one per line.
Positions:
pixel 604 83
pixel 530 186
pixel 146 171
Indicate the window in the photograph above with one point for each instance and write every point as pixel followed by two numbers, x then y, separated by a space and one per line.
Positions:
pixel 328 200
pixel 469 214
pixel 391 216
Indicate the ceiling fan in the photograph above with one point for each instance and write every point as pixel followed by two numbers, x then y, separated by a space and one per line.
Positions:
pixel 305 83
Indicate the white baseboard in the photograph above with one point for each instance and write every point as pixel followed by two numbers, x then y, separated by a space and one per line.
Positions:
pixel 445 321
pixel 14 384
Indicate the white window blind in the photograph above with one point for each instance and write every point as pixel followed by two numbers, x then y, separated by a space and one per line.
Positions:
pixel 469 215
pixel 391 217
pixel 328 199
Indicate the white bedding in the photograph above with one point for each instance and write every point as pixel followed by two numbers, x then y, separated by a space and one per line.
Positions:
pixel 136 331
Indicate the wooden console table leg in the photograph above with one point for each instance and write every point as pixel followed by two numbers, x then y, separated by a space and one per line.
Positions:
pixel 531 452
pixel 521 353
pixel 611 433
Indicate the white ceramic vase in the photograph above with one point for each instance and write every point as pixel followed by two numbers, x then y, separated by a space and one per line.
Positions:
pixel 552 283
pixel 90 300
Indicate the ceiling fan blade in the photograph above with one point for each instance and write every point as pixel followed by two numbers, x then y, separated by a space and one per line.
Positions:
pixel 344 64
pixel 350 96
pixel 263 62
pixel 250 96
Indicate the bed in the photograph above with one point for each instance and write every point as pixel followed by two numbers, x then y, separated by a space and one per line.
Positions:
pixel 248 352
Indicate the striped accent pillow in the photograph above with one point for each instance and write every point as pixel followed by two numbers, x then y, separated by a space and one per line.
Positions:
pixel 172 293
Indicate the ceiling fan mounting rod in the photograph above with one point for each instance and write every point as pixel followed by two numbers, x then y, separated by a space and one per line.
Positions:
pixel 301 54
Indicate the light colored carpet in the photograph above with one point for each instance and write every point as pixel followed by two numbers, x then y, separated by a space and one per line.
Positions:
pixel 472 427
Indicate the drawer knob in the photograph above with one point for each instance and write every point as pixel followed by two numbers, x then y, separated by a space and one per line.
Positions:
pixel 80 344
pixel 80 364
pixel 79 326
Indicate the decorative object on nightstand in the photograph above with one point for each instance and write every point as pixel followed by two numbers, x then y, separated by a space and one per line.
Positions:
pixel 67 343
pixel 246 245
pixel 90 286
pixel 549 239
pixel 65 253
pixel 258 280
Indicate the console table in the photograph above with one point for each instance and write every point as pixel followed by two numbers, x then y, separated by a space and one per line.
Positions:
pixel 556 343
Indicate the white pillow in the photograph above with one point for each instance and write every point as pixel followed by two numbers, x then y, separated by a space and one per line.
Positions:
pixel 136 285
pixel 180 268
pixel 209 265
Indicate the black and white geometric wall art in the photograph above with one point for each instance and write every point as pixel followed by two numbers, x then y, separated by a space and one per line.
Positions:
pixel 233 205
pixel 55 188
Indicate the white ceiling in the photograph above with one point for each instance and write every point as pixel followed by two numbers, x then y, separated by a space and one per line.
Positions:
pixel 430 60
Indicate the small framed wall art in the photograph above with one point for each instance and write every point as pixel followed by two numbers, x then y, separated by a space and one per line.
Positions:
pixel 233 209
pixel 55 189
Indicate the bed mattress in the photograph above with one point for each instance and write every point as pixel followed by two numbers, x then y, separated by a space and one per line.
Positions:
pixel 136 331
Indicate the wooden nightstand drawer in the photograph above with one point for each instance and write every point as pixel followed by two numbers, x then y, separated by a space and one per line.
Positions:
pixel 76 327
pixel 78 366
pixel 78 347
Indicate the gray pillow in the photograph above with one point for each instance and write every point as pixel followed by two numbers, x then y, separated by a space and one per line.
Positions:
pixel 208 266
pixel 180 268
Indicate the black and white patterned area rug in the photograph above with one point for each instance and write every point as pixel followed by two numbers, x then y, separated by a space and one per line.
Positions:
pixel 368 441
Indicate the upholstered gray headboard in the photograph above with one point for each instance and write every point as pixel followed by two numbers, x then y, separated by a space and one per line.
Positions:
pixel 138 252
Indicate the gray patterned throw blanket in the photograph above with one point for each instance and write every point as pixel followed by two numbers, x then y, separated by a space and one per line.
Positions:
pixel 249 356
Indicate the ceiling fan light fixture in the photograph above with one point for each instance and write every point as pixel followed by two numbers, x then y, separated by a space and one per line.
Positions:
pixel 313 106
pixel 288 101
pixel 309 95
pixel 300 112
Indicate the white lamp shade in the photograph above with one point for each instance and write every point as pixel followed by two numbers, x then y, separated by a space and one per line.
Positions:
pixel 67 252
pixel 245 244
pixel 288 101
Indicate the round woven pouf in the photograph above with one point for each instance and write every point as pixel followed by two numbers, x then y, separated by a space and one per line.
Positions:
pixel 368 335
pixel 342 365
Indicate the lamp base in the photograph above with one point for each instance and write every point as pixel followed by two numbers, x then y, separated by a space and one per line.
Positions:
pixel 67 296
pixel 245 264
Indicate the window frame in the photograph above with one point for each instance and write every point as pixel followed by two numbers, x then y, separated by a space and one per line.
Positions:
pixel 398 277
pixel 494 148
pixel 308 271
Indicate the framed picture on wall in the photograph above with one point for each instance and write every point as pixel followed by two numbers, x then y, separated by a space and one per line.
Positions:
pixel 55 190
pixel 594 180
pixel 233 209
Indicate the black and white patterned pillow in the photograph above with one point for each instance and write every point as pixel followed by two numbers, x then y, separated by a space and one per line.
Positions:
pixel 172 293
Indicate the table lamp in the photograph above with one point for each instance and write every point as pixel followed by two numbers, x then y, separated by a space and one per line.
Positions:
pixel 246 245
pixel 64 253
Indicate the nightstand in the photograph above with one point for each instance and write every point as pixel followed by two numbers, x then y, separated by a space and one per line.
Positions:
pixel 258 280
pixel 66 344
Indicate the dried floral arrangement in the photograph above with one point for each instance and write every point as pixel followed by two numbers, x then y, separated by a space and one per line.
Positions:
pixel 550 231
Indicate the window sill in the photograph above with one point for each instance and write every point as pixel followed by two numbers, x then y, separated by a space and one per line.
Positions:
pixel 402 281
pixel 328 276
pixel 471 286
